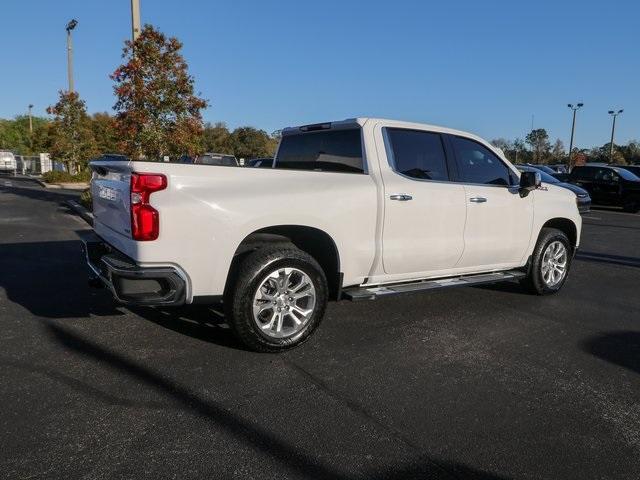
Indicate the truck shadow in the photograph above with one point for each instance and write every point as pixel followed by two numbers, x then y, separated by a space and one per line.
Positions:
pixel 606 258
pixel 49 279
pixel 205 323
pixel 621 348
pixel 291 458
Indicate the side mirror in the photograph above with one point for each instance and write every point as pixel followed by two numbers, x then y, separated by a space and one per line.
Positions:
pixel 529 181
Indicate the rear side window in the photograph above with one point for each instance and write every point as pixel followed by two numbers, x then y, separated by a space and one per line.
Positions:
pixel 418 154
pixel 477 164
pixel 323 151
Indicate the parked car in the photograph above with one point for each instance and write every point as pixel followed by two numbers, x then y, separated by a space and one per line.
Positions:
pixel 542 168
pixel 559 168
pixel 583 199
pixel 635 169
pixel 562 177
pixel 216 159
pixel 8 163
pixel 355 209
pixel 609 185
pixel 259 163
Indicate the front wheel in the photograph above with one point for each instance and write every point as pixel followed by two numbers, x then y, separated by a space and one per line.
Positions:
pixel 550 263
pixel 278 298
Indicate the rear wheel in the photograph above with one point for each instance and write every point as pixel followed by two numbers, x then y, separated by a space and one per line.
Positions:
pixel 277 300
pixel 550 263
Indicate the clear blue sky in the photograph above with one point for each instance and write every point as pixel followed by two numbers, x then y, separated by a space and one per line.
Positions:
pixel 482 66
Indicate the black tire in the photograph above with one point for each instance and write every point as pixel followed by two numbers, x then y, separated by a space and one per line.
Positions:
pixel 249 275
pixel 534 281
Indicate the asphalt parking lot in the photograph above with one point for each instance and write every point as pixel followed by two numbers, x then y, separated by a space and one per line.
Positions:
pixel 486 383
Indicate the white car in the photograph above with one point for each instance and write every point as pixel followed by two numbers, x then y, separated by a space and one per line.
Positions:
pixel 354 209
pixel 8 163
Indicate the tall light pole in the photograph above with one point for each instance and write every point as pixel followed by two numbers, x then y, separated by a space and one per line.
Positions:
pixel 573 129
pixel 70 26
pixel 135 19
pixel 614 114
pixel 30 128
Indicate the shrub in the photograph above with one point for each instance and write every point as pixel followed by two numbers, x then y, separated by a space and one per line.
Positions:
pixel 86 200
pixel 56 176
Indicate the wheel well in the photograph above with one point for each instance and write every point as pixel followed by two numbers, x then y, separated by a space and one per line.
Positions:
pixel 566 226
pixel 313 241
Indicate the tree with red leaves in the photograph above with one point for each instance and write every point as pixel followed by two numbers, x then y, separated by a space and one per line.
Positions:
pixel 157 113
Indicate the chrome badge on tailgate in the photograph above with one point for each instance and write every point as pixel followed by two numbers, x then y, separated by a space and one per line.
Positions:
pixel 107 193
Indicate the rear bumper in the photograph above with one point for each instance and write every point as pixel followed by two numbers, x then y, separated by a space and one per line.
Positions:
pixel 129 283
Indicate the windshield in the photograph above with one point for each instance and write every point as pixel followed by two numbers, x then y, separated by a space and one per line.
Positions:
pixel 546 178
pixel 209 159
pixel 627 175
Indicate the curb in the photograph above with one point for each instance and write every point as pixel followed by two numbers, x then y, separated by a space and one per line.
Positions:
pixel 63 185
pixel 40 182
pixel 86 215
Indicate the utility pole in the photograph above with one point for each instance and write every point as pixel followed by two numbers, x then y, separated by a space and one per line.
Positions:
pixel 30 128
pixel 614 114
pixel 573 128
pixel 135 19
pixel 70 26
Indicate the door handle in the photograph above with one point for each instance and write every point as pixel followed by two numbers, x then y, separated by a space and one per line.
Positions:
pixel 401 197
pixel 477 200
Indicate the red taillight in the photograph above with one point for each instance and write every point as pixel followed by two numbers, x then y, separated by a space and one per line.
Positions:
pixel 145 220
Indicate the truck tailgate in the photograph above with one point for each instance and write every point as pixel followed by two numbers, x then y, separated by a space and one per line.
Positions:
pixel 110 189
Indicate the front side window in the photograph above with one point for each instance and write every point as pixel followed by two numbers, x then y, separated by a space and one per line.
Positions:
pixel 477 164
pixel 418 154
pixel 607 175
pixel 324 151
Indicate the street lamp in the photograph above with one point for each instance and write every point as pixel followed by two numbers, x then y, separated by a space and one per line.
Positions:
pixel 30 128
pixel 614 114
pixel 70 26
pixel 573 128
pixel 135 19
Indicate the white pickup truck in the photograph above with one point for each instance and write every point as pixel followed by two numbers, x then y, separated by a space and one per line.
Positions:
pixel 354 209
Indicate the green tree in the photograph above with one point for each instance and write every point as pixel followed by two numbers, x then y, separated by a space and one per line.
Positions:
pixel 157 111
pixel 501 143
pixel 631 151
pixel 249 142
pixel 557 152
pixel 103 126
pixel 217 138
pixel 15 135
pixel 538 139
pixel 71 137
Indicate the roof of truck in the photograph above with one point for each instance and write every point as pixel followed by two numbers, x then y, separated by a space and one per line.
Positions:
pixel 350 122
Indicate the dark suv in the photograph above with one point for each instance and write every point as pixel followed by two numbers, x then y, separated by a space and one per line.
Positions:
pixel 609 185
